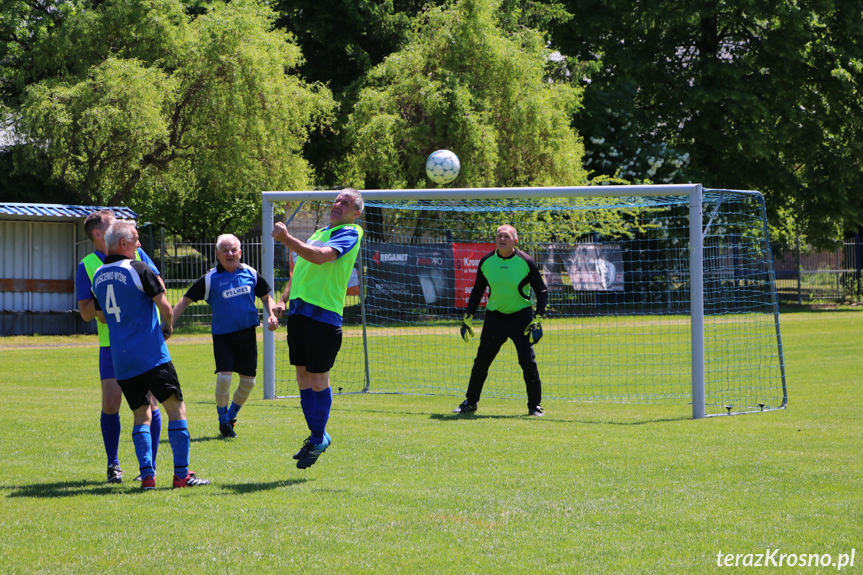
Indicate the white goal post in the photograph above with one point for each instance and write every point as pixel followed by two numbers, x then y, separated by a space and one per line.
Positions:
pixel 691 193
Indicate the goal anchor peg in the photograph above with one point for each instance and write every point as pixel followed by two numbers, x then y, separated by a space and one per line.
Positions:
pixel 761 405
pixel 729 408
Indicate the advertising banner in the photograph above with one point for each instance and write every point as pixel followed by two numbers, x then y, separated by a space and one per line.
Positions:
pixel 466 257
pixel 595 267
pixel 409 275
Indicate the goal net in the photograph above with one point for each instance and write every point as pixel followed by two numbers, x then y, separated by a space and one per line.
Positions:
pixel 657 294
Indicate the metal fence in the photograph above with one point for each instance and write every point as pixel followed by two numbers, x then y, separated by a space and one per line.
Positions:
pixel 182 263
pixel 804 276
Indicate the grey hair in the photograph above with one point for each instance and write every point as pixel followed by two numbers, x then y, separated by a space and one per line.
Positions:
pixel 119 230
pixel 358 198
pixel 226 237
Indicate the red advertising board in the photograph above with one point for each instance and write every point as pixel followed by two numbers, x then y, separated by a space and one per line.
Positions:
pixel 466 257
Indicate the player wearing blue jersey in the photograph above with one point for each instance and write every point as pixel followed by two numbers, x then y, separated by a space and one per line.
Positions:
pixel 95 227
pixel 315 297
pixel 509 274
pixel 230 288
pixel 129 299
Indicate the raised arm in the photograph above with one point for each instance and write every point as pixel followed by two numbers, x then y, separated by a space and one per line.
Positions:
pixel 313 254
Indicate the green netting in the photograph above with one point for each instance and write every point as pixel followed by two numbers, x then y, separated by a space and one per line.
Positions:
pixel 617 269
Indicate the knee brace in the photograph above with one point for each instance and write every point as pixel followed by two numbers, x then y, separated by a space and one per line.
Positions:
pixel 223 389
pixel 244 389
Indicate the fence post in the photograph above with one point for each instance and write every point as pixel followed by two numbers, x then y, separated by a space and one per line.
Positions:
pixel 799 268
pixel 858 261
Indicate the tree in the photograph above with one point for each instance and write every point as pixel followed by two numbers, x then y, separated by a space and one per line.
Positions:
pixel 184 119
pixel 342 40
pixel 737 94
pixel 465 85
pixel 468 84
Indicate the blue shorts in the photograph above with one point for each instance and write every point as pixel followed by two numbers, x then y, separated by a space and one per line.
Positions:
pixel 106 364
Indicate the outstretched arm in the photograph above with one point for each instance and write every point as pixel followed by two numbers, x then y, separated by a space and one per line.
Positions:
pixel 178 309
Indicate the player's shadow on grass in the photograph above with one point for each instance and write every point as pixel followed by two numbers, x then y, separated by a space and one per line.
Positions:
pixel 204 438
pixel 473 416
pixel 60 489
pixel 243 488
pixel 63 489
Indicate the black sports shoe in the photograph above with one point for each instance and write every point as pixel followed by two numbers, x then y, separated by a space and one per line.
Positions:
pixel 465 407
pixel 313 451
pixel 115 474
pixel 227 430
pixel 306 445
pixel 536 411
pixel 303 449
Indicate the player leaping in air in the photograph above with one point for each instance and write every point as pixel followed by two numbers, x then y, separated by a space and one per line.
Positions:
pixel 315 297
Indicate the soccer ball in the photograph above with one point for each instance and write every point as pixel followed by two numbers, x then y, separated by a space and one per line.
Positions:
pixel 442 166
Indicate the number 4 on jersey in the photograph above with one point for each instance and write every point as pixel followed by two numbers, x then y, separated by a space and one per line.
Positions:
pixel 111 302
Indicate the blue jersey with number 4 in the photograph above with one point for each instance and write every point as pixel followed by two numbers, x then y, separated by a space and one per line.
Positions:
pixel 124 290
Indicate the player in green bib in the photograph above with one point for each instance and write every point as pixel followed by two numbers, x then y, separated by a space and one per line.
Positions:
pixel 509 274
pixel 315 299
pixel 95 226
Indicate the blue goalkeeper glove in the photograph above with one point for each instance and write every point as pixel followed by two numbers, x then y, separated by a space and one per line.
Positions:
pixel 466 330
pixel 534 329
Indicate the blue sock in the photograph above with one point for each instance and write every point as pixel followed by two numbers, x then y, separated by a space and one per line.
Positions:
pixel 233 410
pixel 223 414
pixel 156 432
pixel 142 440
pixel 307 399
pixel 322 403
pixel 111 436
pixel 178 436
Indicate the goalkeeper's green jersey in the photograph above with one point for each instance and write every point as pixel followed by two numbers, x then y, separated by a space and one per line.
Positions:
pixel 509 281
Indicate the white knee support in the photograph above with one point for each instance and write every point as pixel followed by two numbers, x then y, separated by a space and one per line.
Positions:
pixel 244 389
pixel 223 389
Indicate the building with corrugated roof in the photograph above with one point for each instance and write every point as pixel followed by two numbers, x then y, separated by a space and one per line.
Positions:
pixel 40 247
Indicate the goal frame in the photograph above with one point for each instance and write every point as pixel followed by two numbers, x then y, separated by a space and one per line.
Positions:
pixel 696 253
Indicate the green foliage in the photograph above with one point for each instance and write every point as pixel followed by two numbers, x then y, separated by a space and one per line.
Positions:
pixel 466 85
pixel 742 94
pixel 184 119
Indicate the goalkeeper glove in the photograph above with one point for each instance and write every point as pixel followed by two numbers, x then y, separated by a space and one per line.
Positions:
pixel 466 330
pixel 534 329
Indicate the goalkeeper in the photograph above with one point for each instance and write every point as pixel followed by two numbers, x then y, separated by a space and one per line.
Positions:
pixel 509 274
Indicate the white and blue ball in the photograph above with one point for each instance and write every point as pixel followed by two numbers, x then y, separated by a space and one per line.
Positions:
pixel 442 166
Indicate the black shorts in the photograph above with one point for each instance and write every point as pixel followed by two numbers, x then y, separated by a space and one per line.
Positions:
pixel 313 344
pixel 161 381
pixel 236 351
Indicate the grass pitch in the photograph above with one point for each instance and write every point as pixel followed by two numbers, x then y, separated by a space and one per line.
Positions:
pixel 408 487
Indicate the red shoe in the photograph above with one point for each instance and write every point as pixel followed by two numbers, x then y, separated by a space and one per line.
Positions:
pixel 190 480
pixel 148 483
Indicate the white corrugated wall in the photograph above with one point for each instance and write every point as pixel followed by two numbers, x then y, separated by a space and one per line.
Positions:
pixel 37 251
